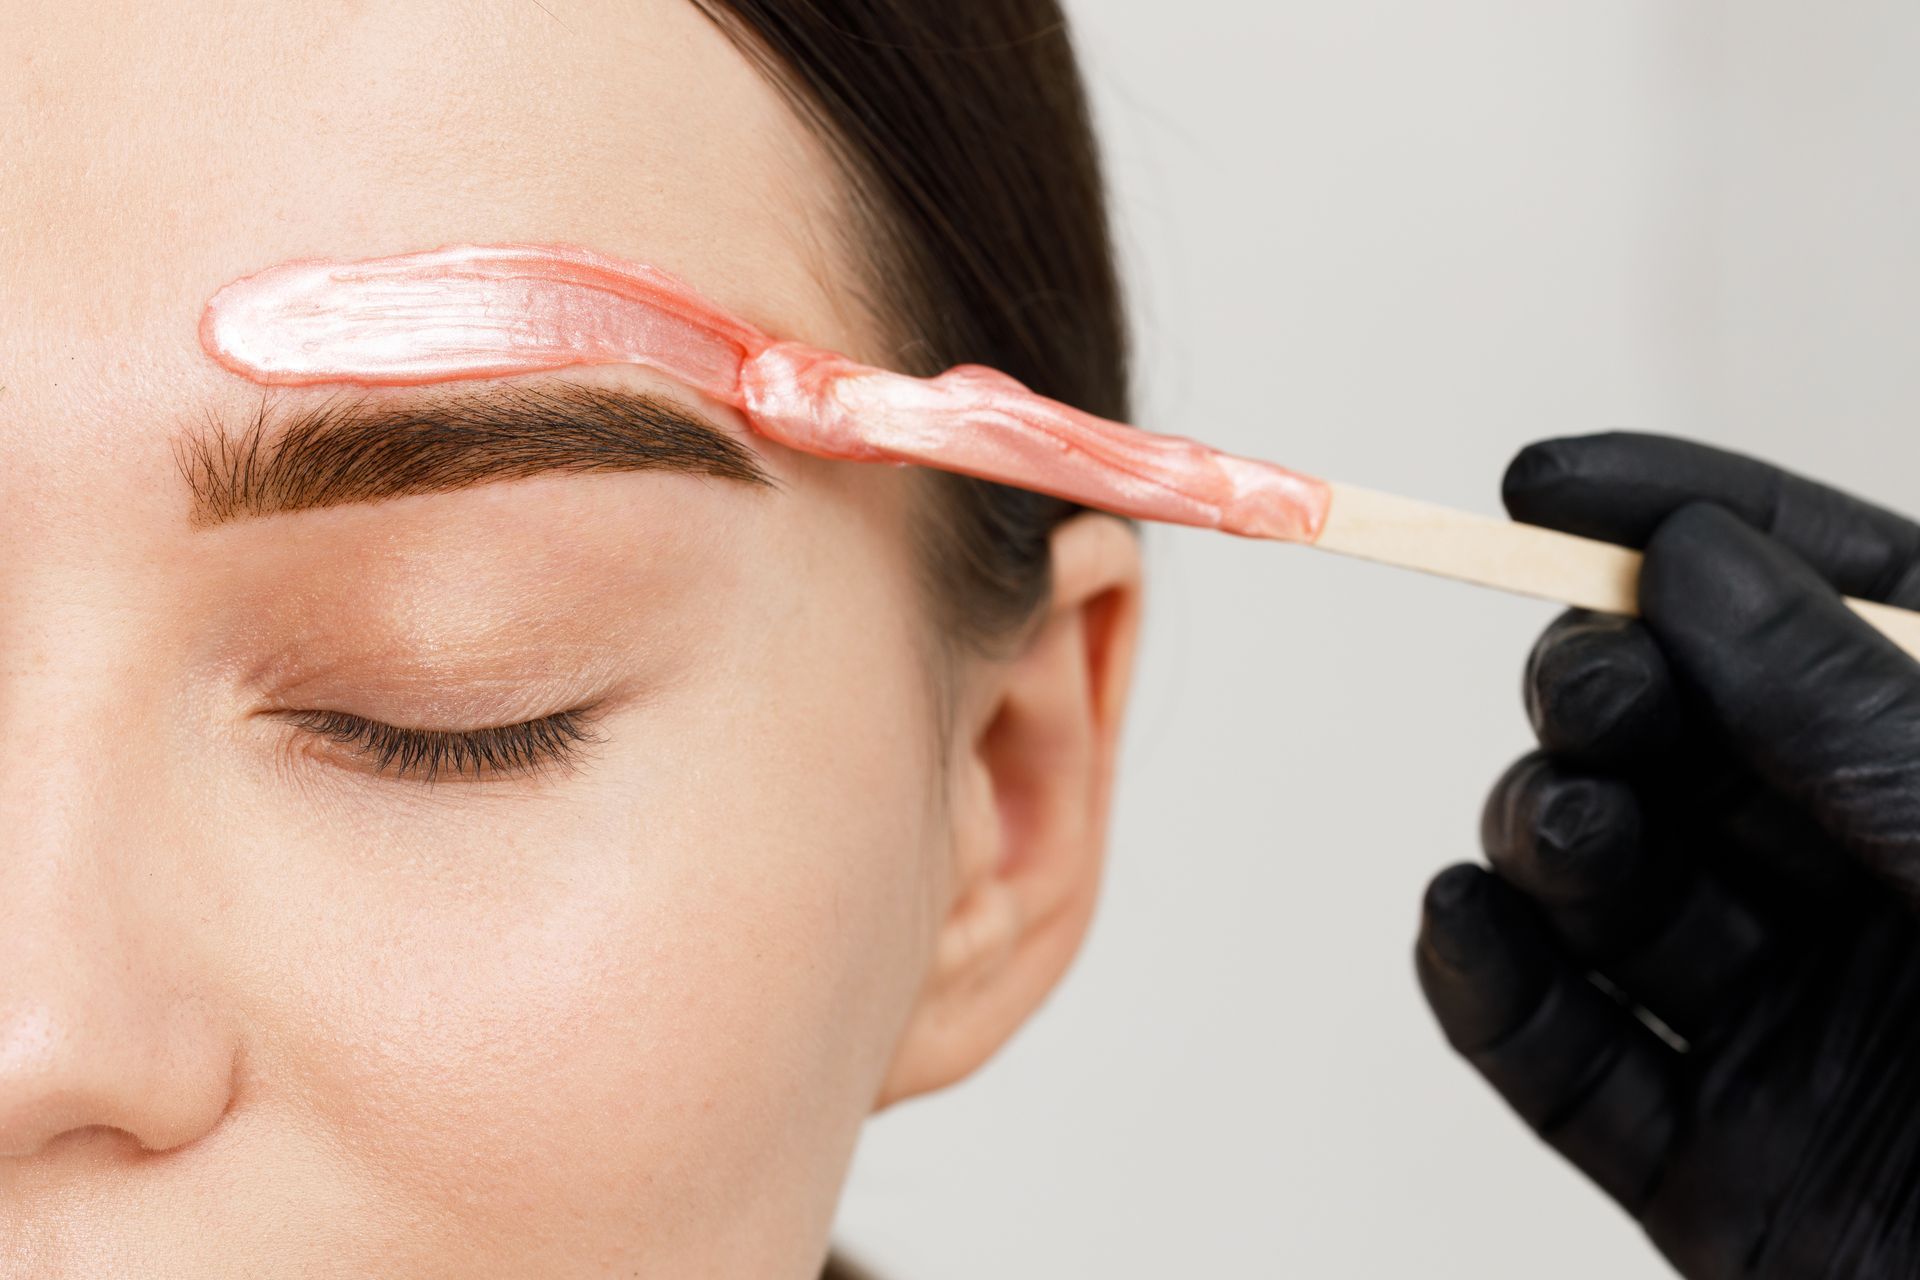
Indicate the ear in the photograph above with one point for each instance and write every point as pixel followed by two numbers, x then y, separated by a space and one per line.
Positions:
pixel 1034 760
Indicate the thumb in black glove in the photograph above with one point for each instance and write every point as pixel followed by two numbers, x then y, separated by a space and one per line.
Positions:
pixel 1694 969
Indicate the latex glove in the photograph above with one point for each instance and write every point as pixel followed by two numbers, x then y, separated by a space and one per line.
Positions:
pixel 1722 830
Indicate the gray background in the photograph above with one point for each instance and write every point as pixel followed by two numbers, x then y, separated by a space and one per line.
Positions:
pixel 1389 243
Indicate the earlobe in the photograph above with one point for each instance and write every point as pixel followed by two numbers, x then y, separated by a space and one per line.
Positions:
pixel 1031 792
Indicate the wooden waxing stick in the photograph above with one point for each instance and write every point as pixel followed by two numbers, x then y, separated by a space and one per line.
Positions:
pixel 1521 558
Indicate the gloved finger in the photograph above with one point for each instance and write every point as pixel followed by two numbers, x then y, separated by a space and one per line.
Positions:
pixel 1824 707
pixel 1619 486
pixel 1666 934
pixel 1599 693
pixel 1580 1069
pixel 1602 696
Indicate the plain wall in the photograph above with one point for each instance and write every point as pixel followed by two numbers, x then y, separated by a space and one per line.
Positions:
pixel 1390 243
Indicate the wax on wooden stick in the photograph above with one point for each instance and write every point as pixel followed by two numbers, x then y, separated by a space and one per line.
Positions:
pixel 486 311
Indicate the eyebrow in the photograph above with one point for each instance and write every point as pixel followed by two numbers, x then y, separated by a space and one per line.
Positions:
pixel 358 449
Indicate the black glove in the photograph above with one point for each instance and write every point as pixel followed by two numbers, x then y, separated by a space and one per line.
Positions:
pixel 1694 969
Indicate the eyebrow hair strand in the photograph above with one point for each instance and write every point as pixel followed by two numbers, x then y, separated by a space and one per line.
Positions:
pixel 360 449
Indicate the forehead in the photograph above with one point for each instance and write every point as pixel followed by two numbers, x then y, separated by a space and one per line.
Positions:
pixel 206 139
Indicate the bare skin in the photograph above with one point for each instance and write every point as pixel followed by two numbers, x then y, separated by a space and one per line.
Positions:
pixel 266 1010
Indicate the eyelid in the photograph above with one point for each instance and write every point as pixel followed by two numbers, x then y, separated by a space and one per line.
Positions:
pixel 528 749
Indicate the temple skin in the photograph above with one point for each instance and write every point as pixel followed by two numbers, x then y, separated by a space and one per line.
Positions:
pixel 485 311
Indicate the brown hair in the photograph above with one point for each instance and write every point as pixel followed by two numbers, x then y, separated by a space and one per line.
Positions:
pixel 963 128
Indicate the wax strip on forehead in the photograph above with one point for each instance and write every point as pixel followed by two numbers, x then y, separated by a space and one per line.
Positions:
pixel 470 311
pixel 485 311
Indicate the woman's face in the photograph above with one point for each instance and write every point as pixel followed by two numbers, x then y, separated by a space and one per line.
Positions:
pixel 265 1008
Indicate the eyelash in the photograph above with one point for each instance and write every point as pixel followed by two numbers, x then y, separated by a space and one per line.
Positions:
pixel 514 750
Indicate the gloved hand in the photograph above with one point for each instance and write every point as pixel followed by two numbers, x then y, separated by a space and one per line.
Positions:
pixel 1722 831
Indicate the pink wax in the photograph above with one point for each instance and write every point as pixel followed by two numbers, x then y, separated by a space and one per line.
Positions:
pixel 487 311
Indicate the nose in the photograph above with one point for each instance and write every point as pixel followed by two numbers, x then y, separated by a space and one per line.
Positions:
pixel 101 1023
pixel 116 1019
pixel 69 1064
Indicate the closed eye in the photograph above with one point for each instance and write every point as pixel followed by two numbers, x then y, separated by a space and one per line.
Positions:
pixel 531 748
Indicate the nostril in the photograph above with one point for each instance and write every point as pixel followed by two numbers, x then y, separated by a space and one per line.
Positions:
pixel 33 1125
pixel 80 1139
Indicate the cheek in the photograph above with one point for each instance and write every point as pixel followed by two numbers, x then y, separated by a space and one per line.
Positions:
pixel 674 988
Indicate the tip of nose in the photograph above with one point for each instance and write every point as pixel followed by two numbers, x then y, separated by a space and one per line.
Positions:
pixel 82 1082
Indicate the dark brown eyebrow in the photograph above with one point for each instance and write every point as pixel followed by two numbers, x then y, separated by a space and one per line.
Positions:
pixel 358 448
